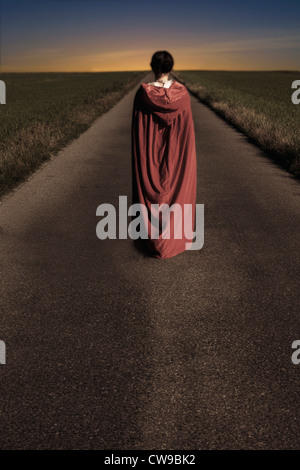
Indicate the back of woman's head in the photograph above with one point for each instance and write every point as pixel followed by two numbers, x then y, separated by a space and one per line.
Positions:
pixel 162 62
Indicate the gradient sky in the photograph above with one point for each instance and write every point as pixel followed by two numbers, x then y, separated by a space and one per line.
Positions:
pixel 103 35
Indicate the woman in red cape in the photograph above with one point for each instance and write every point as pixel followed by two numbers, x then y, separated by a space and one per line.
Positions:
pixel 164 161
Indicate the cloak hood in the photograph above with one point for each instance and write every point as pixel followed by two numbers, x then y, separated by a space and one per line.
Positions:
pixel 164 103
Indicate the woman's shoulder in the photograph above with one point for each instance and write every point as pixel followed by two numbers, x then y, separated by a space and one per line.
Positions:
pixel 179 84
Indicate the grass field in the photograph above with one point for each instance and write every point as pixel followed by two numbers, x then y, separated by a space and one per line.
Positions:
pixel 257 103
pixel 45 111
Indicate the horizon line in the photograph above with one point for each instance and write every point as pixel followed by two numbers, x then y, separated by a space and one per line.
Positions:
pixel 149 71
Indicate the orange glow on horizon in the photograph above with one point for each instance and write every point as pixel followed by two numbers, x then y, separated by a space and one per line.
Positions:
pixel 231 55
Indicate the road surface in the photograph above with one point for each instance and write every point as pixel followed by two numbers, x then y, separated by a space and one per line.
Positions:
pixel 109 349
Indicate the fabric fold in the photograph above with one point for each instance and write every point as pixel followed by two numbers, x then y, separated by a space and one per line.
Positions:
pixel 164 165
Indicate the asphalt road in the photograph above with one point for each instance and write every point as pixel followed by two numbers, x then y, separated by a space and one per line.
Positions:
pixel 109 349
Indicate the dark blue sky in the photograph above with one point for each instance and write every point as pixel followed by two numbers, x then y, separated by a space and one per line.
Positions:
pixel 70 35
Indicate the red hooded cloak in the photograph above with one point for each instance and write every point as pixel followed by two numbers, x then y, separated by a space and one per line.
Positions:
pixel 164 165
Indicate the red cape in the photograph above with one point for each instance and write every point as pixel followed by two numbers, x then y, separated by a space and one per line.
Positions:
pixel 164 159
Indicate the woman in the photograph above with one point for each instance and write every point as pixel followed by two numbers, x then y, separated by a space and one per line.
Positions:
pixel 164 160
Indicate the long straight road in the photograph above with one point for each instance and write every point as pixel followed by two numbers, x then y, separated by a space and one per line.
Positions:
pixel 109 349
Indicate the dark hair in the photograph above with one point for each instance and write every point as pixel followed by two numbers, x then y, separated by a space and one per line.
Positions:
pixel 162 62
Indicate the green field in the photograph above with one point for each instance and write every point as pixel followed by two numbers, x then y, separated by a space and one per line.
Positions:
pixel 258 103
pixel 45 111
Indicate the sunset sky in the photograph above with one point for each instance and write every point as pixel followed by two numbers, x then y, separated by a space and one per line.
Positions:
pixel 104 35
